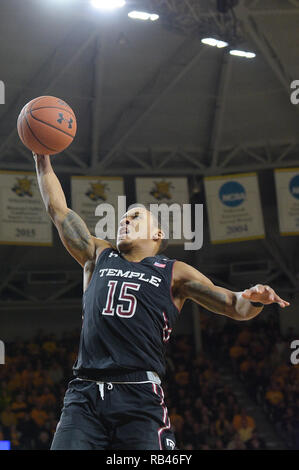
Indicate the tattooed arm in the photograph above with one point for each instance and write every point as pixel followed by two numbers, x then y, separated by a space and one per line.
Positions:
pixel 188 283
pixel 73 231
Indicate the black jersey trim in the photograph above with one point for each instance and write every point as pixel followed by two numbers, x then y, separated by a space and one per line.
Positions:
pixel 170 290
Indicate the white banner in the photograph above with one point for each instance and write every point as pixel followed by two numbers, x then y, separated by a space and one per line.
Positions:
pixel 91 194
pixel 234 208
pixel 165 191
pixel 287 195
pixel 23 218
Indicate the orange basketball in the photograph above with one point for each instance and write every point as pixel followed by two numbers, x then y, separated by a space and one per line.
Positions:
pixel 47 125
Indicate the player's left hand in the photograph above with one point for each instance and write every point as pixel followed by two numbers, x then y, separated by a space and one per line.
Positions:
pixel 265 295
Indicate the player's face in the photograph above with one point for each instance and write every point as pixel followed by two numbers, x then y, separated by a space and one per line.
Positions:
pixel 136 224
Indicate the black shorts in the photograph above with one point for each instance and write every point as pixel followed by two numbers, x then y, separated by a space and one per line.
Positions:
pixel 126 416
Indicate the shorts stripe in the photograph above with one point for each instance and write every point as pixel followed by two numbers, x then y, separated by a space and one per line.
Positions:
pixel 166 419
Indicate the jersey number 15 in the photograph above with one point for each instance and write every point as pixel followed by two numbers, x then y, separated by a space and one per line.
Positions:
pixel 124 296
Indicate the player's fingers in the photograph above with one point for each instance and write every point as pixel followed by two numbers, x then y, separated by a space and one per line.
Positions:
pixel 252 292
pixel 246 294
pixel 282 303
pixel 259 289
pixel 275 298
pixel 271 293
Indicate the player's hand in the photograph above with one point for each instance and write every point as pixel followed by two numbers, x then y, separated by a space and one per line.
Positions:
pixel 265 295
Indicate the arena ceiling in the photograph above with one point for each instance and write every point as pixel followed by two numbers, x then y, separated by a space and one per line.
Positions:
pixel 151 99
pixel 149 96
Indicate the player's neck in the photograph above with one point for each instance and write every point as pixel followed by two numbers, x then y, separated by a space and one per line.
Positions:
pixel 137 254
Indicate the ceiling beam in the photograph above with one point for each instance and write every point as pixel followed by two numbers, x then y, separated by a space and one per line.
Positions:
pixel 15 259
pixel 60 292
pixel 117 138
pixel 273 248
pixel 52 82
pixel 284 154
pixel 271 57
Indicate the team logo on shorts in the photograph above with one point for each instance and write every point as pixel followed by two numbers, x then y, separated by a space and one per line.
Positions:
pixel 170 443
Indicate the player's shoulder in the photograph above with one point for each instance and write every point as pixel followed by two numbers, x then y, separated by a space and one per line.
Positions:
pixel 102 245
pixel 182 270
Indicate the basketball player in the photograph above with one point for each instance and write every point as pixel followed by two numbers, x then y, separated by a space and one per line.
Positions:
pixel 132 298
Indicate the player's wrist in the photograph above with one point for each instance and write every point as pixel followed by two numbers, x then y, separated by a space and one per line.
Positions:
pixel 257 304
pixel 244 306
pixel 43 163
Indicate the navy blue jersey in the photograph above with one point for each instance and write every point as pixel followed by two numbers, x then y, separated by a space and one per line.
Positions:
pixel 128 315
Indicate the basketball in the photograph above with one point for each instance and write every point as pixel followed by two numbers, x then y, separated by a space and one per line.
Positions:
pixel 47 125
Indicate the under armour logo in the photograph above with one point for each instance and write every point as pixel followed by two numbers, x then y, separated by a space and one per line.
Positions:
pixel 112 254
pixel 170 443
pixel 62 118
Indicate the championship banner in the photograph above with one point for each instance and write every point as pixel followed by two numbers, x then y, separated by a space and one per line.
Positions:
pixel 287 195
pixel 23 218
pixel 234 208
pixel 166 191
pixel 95 199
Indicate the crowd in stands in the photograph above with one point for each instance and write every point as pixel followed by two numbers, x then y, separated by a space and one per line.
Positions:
pixel 204 412
pixel 259 355
pixel 32 386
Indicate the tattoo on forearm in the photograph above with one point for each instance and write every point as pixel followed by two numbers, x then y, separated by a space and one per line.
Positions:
pixel 206 296
pixel 75 232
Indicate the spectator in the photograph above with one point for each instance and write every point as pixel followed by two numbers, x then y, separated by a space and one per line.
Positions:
pixel 39 416
pixel 243 417
pixel 274 395
pixel 56 373
pixel 8 418
pixel 245 430
pixel 236 443
pixel 222 426
pixel 255 443
pixel 43 441
pixel 29 429
pixel 19 406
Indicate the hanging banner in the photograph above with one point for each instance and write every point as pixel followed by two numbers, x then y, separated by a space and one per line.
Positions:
pixel 95 199
pixel 170 191
pixel 287 195
pixel 234 208
pixel 23 218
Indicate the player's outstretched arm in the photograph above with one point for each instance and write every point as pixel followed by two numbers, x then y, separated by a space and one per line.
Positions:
pixel 73 231
pixel 188 283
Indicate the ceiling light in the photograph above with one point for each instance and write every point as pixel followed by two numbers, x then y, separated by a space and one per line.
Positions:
pixel 108 4
pixel 214 42
pixel 248 55
pixel 142 15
